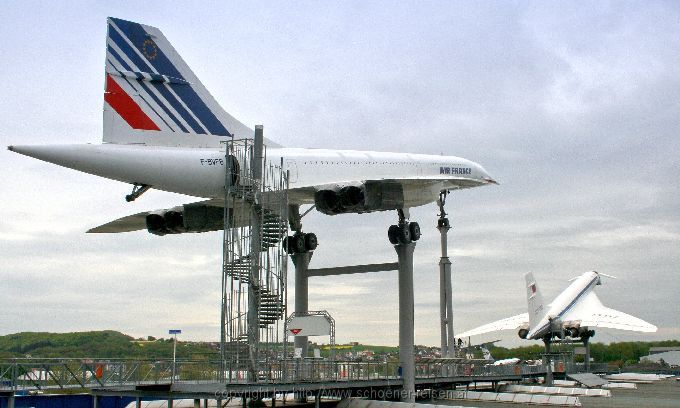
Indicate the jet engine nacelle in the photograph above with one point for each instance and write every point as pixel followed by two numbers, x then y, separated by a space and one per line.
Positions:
pixel 362 198
pixel 186 218
pixel 572 332
pixel 522 333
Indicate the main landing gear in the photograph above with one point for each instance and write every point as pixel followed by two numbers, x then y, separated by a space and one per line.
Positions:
pixel 404 232
pixel 299 242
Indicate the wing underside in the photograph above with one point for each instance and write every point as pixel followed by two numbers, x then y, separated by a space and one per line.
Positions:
pixel 207 208
pixel 426 188
pixel 509 323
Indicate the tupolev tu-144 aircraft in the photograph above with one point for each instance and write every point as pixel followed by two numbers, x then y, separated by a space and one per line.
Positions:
pixel 163 130
pixel 571 314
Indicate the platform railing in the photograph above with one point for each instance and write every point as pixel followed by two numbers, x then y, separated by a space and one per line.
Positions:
pixel 38 374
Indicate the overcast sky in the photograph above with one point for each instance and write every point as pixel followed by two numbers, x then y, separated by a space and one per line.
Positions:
pixel 573 107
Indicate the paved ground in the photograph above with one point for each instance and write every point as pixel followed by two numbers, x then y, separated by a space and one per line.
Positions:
pixel 661 394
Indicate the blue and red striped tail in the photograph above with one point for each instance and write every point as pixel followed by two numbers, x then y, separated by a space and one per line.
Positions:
pixel 152 97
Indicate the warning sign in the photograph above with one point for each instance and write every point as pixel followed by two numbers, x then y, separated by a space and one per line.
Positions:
pixel 313 325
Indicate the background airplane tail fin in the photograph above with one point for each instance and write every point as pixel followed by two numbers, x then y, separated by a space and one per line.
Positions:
pixel 152 97
pixel 535 305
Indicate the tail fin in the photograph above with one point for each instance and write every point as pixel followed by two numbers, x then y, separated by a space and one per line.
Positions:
pixel 534 300
pixel 152 97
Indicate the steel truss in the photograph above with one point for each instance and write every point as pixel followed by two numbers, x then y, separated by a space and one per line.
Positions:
pixel 254 264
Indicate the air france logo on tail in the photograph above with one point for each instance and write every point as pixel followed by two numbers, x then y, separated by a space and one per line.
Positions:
pixel 150 49
pixel 151 88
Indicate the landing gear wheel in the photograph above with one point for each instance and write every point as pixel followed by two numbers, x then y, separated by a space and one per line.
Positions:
pixel 298 243
pixel 393 234
pixel 310 241
pixel 286 241
pixel 443 222
pixel 414 229
pixel 404 235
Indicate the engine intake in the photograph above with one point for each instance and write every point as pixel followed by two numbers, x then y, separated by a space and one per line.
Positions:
pixel 187 218
pixel 522 333
pixel 367 197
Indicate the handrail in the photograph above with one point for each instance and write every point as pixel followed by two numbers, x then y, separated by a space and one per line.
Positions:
pixel 63 373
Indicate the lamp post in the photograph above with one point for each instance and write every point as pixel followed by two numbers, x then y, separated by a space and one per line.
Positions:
pixel 174 332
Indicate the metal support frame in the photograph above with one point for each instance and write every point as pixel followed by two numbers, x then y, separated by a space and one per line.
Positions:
pixel 406 320
pixel 254 268
pixel 349 270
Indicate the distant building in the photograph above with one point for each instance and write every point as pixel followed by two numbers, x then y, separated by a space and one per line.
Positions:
pixel 669 355
pixel 656 350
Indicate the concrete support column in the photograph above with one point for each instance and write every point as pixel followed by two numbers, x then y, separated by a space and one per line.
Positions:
pixel 548 365
pixel 10 401
pixel 171 402
pixel 197 403
pixel 95 401
pixel 442 309
pixel 138 402
pixel 586 343
pixel 406 320
pixel 301 262
pixel 448 345
pixel 449 310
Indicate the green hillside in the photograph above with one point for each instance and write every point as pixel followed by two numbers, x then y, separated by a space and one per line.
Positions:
pixel 112 344
pixel 98 344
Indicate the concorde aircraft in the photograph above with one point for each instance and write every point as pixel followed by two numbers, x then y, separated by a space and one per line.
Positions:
pixel 573 313
pixel 163 130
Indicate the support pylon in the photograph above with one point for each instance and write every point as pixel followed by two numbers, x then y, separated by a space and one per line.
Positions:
pixel 445 284
pixel 406 320
pixel 301 262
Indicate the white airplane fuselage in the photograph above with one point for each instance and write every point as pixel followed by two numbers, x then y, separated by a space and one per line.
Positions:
pixel 200 172
pixel 568 298
pixel 162 129
pixel 574 313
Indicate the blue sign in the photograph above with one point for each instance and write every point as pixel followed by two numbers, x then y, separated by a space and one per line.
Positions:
pixel 174 331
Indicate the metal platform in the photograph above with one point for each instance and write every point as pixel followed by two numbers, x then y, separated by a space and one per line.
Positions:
pixel 122 377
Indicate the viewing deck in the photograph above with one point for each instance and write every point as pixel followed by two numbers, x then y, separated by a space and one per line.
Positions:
pixel 206 379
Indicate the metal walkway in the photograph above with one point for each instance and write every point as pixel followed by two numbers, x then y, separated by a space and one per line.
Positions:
pixel 204 376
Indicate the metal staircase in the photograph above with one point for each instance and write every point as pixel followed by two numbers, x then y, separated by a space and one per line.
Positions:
pixel 254 263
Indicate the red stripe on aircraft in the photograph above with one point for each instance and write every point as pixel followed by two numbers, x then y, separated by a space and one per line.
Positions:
pixel 126 107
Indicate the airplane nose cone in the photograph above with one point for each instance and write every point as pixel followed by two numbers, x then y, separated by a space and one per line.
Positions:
pixel 486 177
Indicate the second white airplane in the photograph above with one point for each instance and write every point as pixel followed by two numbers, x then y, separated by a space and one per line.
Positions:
pixel 163 129
pixel 573 313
